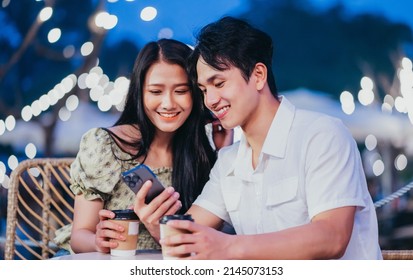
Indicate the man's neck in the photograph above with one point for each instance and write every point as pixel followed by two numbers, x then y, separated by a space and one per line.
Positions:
pixel 258 125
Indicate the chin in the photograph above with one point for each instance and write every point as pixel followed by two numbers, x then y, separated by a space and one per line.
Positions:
pixel 169 129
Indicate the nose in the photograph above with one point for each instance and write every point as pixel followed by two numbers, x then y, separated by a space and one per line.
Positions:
pixel 168 101
pixel 212 99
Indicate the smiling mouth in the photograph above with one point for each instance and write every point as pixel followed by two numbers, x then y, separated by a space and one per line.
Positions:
pixel 221 112
pixel 168 115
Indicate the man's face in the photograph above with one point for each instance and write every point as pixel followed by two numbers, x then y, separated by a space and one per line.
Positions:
pixel 227 94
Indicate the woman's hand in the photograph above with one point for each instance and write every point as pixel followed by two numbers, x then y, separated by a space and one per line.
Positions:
pixel 166 203
pixel 107 232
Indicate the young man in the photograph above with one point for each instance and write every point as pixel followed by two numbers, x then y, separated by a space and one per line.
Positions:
pixel 293 187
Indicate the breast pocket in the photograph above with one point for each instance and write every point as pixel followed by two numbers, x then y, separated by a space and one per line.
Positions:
pixel 284 206
pixel 282 191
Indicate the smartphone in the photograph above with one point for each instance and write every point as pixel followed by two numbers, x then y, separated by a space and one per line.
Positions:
pixel 137 176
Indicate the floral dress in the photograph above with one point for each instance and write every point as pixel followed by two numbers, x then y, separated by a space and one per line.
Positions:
pixel 96 174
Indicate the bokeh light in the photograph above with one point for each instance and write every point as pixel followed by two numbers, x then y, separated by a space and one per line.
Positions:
pixel 378 167
pixel 86 49
pixel 400 163
pixel 69 51
pixel 2 127
pixel 165 33
pixel 10 123
pixel 64 114
pixel 30 150
pixel 370 142
pixel 45 14
pixel 148 13
pixel 72 102
pixel 106 20
pixel 12 162
pixel 54 35
pixel 347 102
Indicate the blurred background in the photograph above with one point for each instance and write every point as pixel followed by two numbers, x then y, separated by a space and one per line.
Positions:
pixel 65 66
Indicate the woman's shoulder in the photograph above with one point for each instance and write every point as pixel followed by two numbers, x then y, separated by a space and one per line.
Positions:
pixel 96 134
pixel 96 142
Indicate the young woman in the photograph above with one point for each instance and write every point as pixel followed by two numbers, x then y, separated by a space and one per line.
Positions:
pixel 162 126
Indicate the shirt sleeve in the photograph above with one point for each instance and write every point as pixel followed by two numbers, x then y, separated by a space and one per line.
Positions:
pixel 95 171
pixel 335 176
pixel 211 197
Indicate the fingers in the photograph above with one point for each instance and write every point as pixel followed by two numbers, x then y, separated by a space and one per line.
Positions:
pixel 183 246
pixel 105 245
pixel 105 214
pixel 174 208
pixel 185 225
pixel 109 229
pixel 142 193
pixel 107 234
pixel 166 202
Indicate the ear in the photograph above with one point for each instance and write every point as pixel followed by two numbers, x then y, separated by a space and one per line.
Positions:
pixel 260 74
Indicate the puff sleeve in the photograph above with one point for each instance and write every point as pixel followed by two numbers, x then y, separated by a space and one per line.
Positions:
pixel 95 171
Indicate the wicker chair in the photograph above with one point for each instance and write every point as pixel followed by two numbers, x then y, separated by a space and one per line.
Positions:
pixel 39 202
pixel 397 254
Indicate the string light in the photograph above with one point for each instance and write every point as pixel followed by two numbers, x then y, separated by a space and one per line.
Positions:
pixel 45 14
pixel 406 85
pixel 54 35
pixel 378 167
pixel 148 13
pixel 10 123
pixel 30 150
pixel 366 95
pixel 400 163
pixel 106 20
pixel 347 102
pixel 2 127
pixel 370 142
pixel 86 49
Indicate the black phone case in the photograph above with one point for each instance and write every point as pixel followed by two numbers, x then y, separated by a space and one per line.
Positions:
pixel 137 176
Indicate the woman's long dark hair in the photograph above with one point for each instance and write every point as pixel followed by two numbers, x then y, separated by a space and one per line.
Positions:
pixel 193 156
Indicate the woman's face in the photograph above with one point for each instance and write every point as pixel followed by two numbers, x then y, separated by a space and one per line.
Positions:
pixel 167 98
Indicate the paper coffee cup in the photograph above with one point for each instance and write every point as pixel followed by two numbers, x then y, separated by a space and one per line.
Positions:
pixel 130 221
pixel 170 231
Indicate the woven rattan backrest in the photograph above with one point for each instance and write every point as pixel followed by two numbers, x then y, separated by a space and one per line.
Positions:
pixel 397 254
pixel 39 202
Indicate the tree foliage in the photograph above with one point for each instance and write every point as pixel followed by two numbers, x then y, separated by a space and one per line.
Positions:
pixel 329 51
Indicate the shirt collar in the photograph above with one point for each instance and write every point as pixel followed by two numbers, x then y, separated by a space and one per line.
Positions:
pixel 242 158
pixel 275 143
